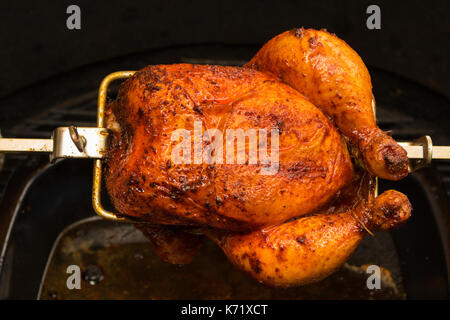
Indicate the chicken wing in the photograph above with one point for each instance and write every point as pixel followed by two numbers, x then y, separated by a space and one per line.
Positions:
pixel 173 244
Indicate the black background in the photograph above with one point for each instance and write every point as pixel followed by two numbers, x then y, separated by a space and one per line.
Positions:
pixel 35 43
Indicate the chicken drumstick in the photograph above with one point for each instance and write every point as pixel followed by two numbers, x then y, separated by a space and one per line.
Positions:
pixel 333 77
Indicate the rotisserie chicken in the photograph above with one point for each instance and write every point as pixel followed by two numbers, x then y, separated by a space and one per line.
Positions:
pixel 286 224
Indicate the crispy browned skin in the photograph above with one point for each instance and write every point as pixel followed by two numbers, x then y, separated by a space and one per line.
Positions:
pixel 143 182
pixel 334 78
pixel 310 248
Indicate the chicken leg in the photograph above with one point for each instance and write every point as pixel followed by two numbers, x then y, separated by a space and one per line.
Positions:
pixel 310 248
pixel 334 78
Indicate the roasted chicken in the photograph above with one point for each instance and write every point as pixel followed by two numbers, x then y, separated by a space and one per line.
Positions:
pixel 289 221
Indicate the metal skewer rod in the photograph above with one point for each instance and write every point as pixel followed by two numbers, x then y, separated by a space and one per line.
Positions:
pixel 66 142
pixel 10 145
pixel 90 142
pixel 440 152
pixel 416 152
pixel 421 151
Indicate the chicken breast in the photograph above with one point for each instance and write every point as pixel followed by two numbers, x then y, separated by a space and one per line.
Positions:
pixel 145 182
